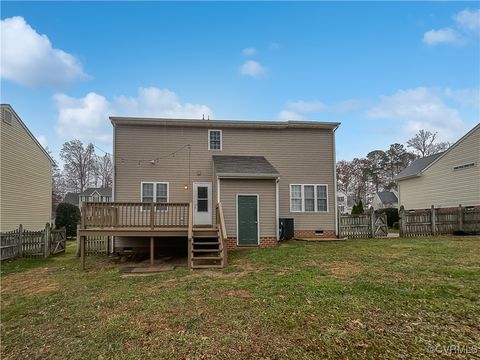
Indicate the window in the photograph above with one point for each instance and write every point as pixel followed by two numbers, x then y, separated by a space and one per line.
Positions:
pixel 308 198
pixel 322 198
pixel 214 139
pixel 309 191
pixel 296 198
pixel 155 192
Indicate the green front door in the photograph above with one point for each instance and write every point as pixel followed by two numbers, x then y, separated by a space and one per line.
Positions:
pixel 247 217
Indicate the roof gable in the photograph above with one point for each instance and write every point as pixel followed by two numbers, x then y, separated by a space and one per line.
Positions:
pixel 20 121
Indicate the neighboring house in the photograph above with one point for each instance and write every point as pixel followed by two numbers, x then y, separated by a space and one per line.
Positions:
pixel 446 179
pixel 71 198
pixel 25 176
pixel 259 171
pixel 344 202
pixel 95 195
pixel 385 199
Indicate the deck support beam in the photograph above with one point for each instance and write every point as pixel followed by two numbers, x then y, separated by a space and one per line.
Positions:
pixel 152 251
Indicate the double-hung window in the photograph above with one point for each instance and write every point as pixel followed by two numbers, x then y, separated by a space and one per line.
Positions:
pixel 155 192
pixel 214 139
pixel 308 198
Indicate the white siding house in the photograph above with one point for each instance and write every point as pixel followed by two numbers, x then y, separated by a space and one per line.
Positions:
pixel 444 180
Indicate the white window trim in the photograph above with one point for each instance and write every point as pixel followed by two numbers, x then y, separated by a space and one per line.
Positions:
pixel 303 198
pixel 221 140
pixel 154 190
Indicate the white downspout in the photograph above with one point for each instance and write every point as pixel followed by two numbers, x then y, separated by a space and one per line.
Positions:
pixel 277 214
pixel 335 180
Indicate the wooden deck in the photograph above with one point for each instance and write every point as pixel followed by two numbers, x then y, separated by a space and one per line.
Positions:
pixel 153 220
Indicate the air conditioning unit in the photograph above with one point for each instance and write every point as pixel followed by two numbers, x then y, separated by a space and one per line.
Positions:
pixel 287 229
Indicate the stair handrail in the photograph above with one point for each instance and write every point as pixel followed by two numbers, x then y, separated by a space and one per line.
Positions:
pixel 190 235
pixel 222 231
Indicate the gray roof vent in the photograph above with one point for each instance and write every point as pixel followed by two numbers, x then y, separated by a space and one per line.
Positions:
pixel 7 117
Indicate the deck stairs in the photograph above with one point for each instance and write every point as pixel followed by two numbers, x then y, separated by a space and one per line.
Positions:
pixel 207 249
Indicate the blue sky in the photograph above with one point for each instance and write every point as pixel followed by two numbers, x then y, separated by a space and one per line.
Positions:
pixel 382 69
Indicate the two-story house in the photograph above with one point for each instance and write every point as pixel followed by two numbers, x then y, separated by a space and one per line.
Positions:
pixel 258 171
pixel 25 175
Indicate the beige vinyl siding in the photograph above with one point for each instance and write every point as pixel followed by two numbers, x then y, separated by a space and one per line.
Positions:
pixel 442 186
pixel 25 179
pixel 302 156
pixel 265 189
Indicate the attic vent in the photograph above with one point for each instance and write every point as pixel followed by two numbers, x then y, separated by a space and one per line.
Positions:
pixel 465 166
pixel 7 117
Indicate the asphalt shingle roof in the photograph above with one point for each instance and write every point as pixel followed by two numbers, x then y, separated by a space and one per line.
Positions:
pixel 71 198
pixel 387 197
pixel 417 166
pixel 244 166
pixel 102 191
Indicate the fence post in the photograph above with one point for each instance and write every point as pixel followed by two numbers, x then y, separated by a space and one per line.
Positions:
pixel 402 219
pixel 20 241
pixel 339 234
pixel 372 222
pixel 433 220
pixel 77 251
pixel 46 249
pixel 460 217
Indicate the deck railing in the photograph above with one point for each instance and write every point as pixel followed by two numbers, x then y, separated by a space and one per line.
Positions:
pixel 134 215
pixel 222 232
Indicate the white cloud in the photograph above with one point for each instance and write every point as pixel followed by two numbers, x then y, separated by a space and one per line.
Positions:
pixel 253 68
pixel 466 27
pixel 249 51
pixel 419 108
pixel 468 20
pixel 42 139
pixel 442 36
pixel 466 97
pixel 29 58
pixel 295 110
pixel 155 102
pixel 86 118
pixel 83 118
pixel 289 115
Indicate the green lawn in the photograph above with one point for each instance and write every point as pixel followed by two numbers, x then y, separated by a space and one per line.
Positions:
pixel 381 299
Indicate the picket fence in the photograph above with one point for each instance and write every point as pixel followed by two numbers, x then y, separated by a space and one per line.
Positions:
pixel 27 243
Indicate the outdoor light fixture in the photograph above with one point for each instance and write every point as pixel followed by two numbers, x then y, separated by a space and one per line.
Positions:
pixel 185 187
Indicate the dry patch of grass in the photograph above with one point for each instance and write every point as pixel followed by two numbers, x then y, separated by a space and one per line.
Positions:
pixel 32 282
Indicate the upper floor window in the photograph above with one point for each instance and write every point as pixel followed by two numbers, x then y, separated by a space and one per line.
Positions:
pixel 214 139
pixel 308 198
pixel 7 117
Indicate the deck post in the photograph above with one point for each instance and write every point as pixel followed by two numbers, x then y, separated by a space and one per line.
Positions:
pixel 82 252
pixel 152 216
pixel 152 251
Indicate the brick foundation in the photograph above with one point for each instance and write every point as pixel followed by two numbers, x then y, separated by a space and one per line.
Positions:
pixel 310 234
pixel 264 243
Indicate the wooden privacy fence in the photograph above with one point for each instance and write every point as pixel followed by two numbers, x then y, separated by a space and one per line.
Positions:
pixel 437 221
pixel 28 243
pixel 368 225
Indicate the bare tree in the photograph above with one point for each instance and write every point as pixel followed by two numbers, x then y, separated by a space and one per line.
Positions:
pixel 345 174
pixel 104 168
pixel 423 143
pixel 79 164
pixel 376 169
